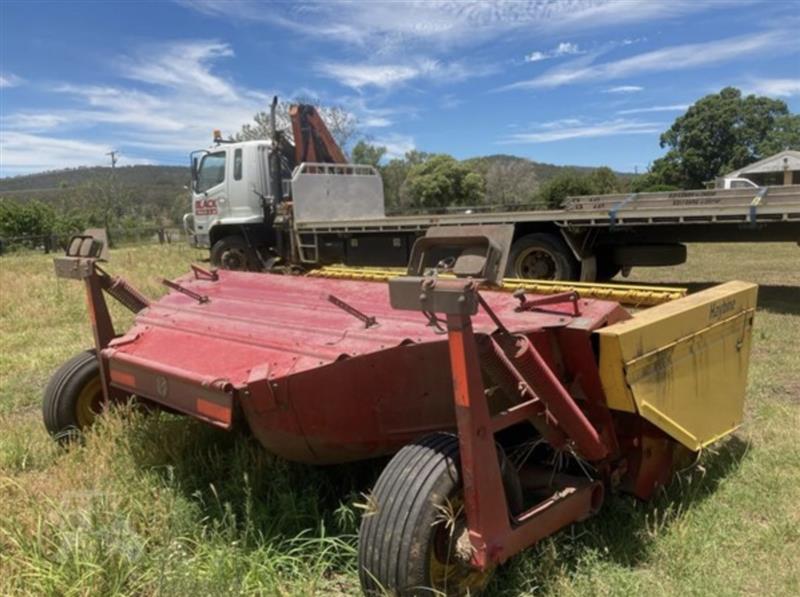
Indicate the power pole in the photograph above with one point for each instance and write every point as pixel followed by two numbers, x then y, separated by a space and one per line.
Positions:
pixel 109 195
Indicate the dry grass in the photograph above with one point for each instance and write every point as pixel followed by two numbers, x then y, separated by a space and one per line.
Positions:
pixel 161 505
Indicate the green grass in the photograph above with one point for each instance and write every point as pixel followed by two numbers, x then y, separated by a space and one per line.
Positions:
pixel 162 505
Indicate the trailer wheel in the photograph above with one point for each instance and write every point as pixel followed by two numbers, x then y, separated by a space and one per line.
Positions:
pixel 413 538
pixel 233 253
pixel 73 397
pixel 542 256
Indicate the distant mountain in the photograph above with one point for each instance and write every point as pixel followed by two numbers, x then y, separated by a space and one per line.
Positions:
pixel 509 180
pixel 134 176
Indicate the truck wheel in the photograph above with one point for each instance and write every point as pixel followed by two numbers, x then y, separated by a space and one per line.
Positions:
pixel 233 253
pixel 606 267
pixel 413 538
pixel 542 256
pixel 73 397
pixel 650 255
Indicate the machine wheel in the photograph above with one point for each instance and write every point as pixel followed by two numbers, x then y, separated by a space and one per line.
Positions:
pixel 542 256
pixel 413 538
pixel 73 397
pixel 233 253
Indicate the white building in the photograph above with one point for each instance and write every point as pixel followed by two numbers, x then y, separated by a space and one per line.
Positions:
pixel 780 169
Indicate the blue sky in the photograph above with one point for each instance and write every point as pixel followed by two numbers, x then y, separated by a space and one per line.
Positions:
pixel 587 82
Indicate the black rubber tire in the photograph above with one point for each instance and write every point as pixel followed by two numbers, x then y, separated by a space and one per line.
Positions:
pixel 650 255
pixel 233 253
pixel 61 396
pixel 397 533
pixel 606 267
pixel 557 261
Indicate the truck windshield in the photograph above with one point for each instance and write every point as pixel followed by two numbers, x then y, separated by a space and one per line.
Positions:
pixel 211 171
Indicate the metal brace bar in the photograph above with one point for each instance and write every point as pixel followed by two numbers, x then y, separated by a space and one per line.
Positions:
pixel 612 213
pixel 200 298
pixel 537 304
pixel 366 319
pixel 762 192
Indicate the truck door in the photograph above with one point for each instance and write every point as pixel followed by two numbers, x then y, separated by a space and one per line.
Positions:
pixel 210 196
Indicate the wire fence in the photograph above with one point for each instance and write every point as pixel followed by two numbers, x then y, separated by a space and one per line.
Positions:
pixel 49 243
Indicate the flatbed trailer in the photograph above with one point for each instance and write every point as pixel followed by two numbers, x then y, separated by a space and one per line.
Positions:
pixel 591 238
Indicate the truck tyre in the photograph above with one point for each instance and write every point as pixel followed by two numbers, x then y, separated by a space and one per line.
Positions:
pixel 650 255
pixel 542 256
pixel 233 253
pixel 73 397
pixel 607 268
pixel 413 538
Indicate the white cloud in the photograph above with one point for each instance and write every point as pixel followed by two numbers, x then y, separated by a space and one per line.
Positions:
pixel 385 76
pixel 375 122
pixel 624 89
pixel 183 65
pixel 392 28
pixel 663 60
pixel 536 56
pixel 650 109
pixel 565 48
pixel 24 152
pixel 397 145
pixel 775 87
pixel 9 80
pixel 363 75
pixel 573 128
pixel 175 99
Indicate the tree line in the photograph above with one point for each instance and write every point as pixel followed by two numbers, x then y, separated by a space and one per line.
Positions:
pixel 719 133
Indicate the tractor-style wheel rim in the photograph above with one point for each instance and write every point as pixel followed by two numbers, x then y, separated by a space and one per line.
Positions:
pixel 234 259
pixel 449 568
pixel 89 403
pixel 536 264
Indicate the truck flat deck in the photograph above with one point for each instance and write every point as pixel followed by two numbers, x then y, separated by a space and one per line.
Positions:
pixel 712 206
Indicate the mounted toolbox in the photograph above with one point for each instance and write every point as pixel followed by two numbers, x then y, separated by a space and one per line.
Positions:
pixel 514 413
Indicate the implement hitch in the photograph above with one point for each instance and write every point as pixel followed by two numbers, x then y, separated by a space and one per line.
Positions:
pixel 495 533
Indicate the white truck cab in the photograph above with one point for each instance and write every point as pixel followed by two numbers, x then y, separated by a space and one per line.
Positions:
pixel 238 216
pixel 738 183
pixel 229 183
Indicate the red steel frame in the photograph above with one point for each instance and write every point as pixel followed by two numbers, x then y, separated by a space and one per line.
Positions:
pixel 496 535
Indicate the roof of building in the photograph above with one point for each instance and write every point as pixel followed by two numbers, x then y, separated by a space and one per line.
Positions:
pixel 787 159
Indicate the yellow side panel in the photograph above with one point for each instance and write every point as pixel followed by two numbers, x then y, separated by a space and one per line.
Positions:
pixel 683 365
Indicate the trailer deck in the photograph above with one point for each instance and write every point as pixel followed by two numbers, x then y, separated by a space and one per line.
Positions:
pixel 712 206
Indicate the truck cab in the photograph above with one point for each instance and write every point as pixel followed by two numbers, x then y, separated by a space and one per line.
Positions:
pixel 229 183
pixel 237 214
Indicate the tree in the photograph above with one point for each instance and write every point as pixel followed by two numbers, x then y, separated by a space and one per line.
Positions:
pixel 394 175
pixel 342 124
pixel 604 181
pixel 555 191
pixel 719 133
pixel 366 153
pixel 785 134
pixel 509 180
pixel 441 181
